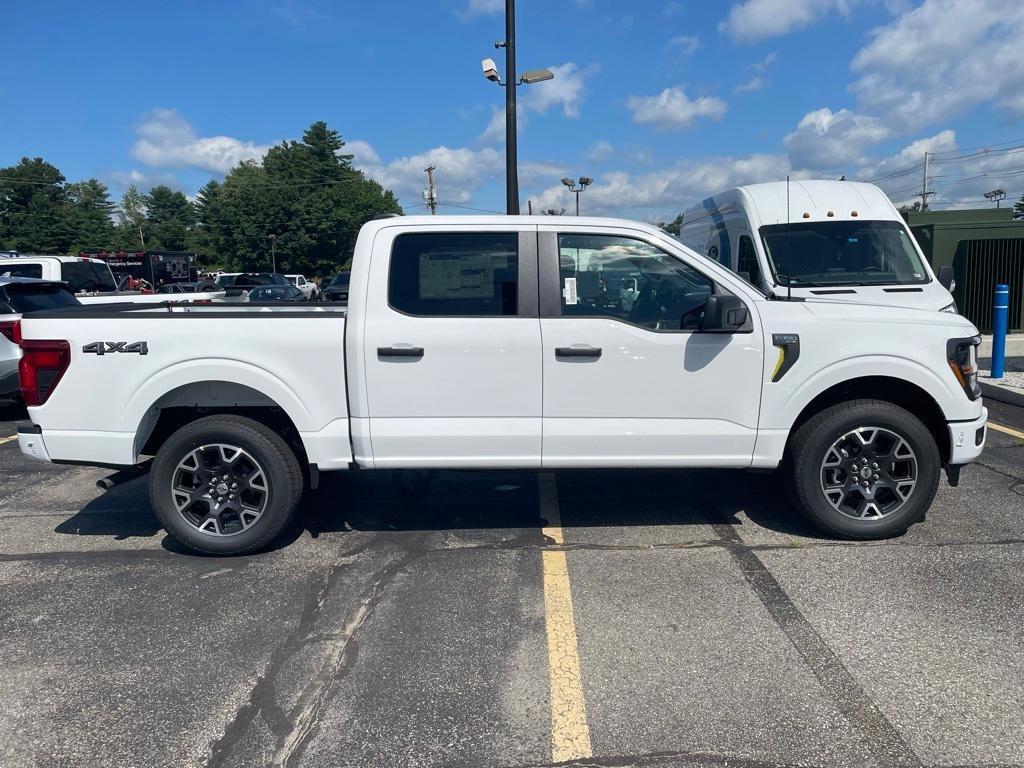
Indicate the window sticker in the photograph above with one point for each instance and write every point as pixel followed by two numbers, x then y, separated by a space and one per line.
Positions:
pixel 570 291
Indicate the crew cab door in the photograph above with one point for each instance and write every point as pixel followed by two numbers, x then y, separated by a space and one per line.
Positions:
pixel 636 383
pixel 451 347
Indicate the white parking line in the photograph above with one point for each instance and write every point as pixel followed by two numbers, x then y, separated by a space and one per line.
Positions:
pixel 570 734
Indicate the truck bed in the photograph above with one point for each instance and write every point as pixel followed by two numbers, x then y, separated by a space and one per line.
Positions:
pixel 129 359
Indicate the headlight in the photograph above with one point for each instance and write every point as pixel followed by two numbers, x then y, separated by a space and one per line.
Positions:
pixel 951 308
pixel 962 357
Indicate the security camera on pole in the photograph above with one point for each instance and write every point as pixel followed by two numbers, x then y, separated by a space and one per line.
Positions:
pixel 490 70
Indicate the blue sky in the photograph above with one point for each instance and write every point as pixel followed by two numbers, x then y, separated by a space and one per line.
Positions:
pixel 660 101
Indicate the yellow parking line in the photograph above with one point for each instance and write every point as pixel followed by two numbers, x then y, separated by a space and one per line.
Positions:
pixel 1006 430
pixel 8 439
pixel 570 734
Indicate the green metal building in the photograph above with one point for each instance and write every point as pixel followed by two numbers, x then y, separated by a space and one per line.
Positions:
pixel 984 246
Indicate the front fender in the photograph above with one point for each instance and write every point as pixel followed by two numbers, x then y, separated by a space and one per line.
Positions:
pixel 786 399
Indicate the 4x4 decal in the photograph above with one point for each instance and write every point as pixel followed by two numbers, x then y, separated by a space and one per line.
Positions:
pixel 110 347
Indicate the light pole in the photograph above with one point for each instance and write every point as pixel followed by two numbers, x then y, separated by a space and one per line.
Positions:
pixel 273 253
pixel 995 196
pixel 511 83
pixel 585 181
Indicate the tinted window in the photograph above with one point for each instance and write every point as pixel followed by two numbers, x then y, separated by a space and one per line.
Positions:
pixel 747 260
pixel 87 276
pixel 605 276
pixel 341 278
pixel 30 298
pixel 23 270
pixel 454 274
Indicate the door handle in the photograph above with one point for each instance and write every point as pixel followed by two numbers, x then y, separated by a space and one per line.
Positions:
pixel 577 352
pixel 415 352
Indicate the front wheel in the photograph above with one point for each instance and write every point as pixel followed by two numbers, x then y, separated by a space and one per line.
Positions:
pixel 225 485
pixel 865 469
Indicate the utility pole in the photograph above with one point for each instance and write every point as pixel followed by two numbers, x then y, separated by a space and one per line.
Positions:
pixel 511 126
pixel 273 253
pixel 430 193
pixel 925 194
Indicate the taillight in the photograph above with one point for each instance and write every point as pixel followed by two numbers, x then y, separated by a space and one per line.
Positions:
pixel 42 365
pixel 12 330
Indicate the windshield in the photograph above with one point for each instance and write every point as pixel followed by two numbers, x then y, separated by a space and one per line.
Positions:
pixel 87 276
pixel 822 253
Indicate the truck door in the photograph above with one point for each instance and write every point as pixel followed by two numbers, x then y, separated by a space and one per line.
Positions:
pixel 635 383
pixel 451 347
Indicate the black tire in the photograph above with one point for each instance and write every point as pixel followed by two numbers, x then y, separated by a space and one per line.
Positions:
pixel 283 483
pixel 812 442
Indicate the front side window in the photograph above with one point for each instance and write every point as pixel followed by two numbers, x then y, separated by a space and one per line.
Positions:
pixel 820 253
pixel 463 274
pixel 747 261
pixel 629 280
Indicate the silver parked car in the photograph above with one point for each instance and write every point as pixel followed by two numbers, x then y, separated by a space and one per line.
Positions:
pixel 19 295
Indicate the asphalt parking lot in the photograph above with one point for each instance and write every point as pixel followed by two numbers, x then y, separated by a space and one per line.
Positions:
pixel 614 618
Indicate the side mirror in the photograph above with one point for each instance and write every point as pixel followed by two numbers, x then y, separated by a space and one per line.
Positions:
pixel 946 278
pixel 724 314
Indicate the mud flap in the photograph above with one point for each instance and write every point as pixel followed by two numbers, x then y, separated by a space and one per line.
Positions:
pixel 953 474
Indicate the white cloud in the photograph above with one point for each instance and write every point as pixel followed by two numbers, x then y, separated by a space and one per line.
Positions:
pixel 753 20
pixel 665 192
pixel 143 180
pixel 363 153
pixel 687 44
pixel 941 59
pixel 756 83
pixel 910 156
pixel 566 91
pixel 480 8
pixel 600 151
pixel 672 110
pixel 460 172
pixel 825 140
pixel 167 140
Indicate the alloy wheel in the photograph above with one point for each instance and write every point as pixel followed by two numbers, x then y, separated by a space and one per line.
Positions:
pixel 869 473
pixel 220 489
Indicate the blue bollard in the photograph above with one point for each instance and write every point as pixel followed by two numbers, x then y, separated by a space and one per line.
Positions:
pixel 1000 310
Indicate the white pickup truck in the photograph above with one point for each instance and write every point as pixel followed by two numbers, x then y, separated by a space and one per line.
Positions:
pixel 474 342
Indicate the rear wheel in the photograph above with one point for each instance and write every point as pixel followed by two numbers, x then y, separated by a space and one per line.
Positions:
pixel 225 485
pixel 866 469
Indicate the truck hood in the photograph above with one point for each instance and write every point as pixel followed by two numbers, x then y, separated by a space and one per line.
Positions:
pixel 930 296
pixel 856 312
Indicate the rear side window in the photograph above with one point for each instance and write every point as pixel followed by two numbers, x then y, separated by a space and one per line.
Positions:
pixel 464 274
pixel 32 298
pixel 23 270
pixel 87 276
pixel 747 260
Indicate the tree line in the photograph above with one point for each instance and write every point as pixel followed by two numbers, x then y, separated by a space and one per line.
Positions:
pixel 304 201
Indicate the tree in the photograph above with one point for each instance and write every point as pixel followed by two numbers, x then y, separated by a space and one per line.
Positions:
pixel 32 208
pixel 169 216
pixel 90 213
pixel 306 193
pixel 133 219
pixel 672 227
pixel 1018 209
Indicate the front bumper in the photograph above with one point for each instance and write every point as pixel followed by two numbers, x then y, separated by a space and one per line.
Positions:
pixel 967 439
pixel 30 441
